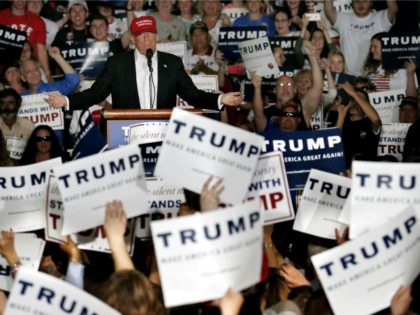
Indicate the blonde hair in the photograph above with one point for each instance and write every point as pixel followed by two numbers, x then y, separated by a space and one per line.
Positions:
pixel 131 293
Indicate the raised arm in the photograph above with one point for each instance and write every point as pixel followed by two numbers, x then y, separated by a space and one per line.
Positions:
pixel 8 251
pixel 392 10
pixel 367 108
pixel 56 55
pixel 115 226
pixel 311 100
pixel 330 11
pixel 410 66
pixel 260 119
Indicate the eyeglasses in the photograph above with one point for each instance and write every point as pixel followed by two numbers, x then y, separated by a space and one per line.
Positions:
pixel 288 84
pixel 43 139
pixel 289 114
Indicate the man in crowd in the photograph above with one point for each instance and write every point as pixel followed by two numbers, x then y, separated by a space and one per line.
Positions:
pixel 144 79
pixel 16 130
pixel 357 27
pixel 18 17
pixel 77 32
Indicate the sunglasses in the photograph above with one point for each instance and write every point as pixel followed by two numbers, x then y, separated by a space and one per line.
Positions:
pixel 43 139
pixel 289 114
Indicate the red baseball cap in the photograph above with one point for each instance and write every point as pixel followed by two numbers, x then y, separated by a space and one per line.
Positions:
pixel 143 24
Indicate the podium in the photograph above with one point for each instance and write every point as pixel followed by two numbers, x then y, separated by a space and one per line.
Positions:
pixel 116 122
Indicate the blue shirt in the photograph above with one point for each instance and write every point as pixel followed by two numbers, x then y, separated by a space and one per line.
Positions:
pixel 265 20
pixel 65 87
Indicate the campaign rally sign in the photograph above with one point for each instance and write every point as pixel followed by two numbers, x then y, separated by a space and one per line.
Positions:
pixel 29 249
pixel 230 36
pixel 381 190
pixel 397 48
pixel 258 57
pixel 87 184
pixel 270 185
pixel 149 135
pixel 35 108
pixel 287 44
pixel 304 150
pixel 22 195
pixel 208 83
pixel 339 5
pixel 39 293
pixel 178 49
pixel 234 12
pixel 88 139
pixel 16 146
pixel 386 104
pixel 322 202
pixel 54 212
pixel 164 201
pixel 361 276
pixel 11 43
pixel 196 148
pixel 392 139
pixel 96 240
pixel 203 255
pixel 88 58
pixel 92 239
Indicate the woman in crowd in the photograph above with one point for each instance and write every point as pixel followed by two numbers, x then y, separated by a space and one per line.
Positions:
pixel 42 145
pixel 170 27
pixel 214 19
pixel 296 8
pixel 283 22
pixel 319 38
pixel 384 80
pixel 188 13
pixel 12 78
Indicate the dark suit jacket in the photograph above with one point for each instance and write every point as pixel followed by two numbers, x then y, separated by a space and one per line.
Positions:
pixel 118 78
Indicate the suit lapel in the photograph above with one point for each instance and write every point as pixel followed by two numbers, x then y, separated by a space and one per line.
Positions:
pixel 131 81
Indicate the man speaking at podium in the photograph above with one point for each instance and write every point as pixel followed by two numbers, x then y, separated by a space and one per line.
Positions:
pixel 144 79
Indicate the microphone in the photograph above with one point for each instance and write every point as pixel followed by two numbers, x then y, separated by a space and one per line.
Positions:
pixel 149 55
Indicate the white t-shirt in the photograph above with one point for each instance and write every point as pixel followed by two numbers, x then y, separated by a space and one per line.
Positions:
pixel 117 28
pixel 355 35
pixel 208 60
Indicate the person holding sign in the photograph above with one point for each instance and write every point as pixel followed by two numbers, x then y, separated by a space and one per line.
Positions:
pixel 144 78
pixel 390 79
pixel 286 90
pixel 255 17
pixel 16 130
pixel 357 27
pixel 32 75
pixel 361 126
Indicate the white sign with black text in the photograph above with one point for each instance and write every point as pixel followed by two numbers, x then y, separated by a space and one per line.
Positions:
pixel 164 202
pixel 87 184
pixel 23 192
pixel 38 293
pixel 201 256
pixel 197 147
pixel 270 185
pixel 392 139
pixel 258 57
pixel 35 108
pixel 386 104
pixel 380 190
pixel 322 202
pixel 29 249
pixel 361 276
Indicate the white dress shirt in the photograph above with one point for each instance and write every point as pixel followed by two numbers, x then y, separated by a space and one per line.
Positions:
pixel 142 79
